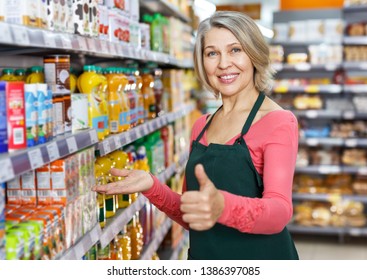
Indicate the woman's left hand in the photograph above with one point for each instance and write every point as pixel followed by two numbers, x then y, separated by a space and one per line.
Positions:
pixel 202 208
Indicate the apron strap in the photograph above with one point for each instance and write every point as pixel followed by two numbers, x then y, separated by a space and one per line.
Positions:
pixel 207 125
pixel 251 116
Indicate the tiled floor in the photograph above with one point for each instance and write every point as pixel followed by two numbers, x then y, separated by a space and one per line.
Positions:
pixel 330 248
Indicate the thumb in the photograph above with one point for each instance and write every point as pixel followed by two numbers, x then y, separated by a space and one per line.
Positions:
pixel 201 176
pixel 120 172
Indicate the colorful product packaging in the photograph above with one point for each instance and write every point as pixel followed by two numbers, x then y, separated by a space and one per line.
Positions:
pixel 28 187
pixel 44 194
pixel 31 112
pixel 2 221
pixel 14 191
pixel 80 17
pixel 79 112
pixel 43 113
pixel 3 121
pixel 22 12
pixel 16 116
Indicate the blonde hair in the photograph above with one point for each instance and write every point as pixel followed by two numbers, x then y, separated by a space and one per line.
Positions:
pixel 249 35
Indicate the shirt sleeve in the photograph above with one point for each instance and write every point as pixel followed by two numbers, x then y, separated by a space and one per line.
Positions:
pixel 271 213
pixel 161 196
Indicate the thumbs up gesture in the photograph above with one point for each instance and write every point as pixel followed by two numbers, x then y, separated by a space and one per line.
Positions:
pixel 202 208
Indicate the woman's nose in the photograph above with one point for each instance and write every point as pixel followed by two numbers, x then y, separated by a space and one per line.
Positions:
pixel 224 61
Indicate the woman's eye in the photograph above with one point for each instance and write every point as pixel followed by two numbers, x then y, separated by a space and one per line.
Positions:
pixel 236 50
pixel 211 53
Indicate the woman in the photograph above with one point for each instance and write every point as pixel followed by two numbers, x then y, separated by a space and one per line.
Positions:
pixel 237 191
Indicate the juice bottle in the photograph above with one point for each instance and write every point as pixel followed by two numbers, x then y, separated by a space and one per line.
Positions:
pixel 124 244
pixel 103 92
pixel 20 74
pixel 158 91
pixel 35 76
pixel 120 161
pixel 110 200
pixel 8 75
pixel 100 180
pixel 139 92
pixel 136 235
pixel 73 78
pixel 148 93
pixel 124 118
pixel 142 159
pixel 90 83
pixel 132 97
pixel 114 105
pixel 156 33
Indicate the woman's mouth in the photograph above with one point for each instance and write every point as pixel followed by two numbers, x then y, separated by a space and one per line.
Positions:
pixel 227 78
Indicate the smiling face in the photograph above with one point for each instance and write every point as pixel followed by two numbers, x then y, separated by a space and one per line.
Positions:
pixel 229 69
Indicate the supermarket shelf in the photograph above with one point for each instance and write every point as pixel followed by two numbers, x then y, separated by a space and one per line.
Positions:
pixel 163 7
pixel 176 251
pixel 329 89
pixel 335 41
pixel 355 8
pixel 303 67
pixel 355 40
pixel 358 89
pixel 156 240
pixel 338 142
pixel 352 231
pixel 14 164
pixel 328 197
pixel 328 114
pixel 33 38
pixel 117 141
pixel 355 65
pixel 77 251
pixel 331 169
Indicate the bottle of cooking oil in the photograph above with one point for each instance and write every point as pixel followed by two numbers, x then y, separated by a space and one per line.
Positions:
pixel 136 234
pixel 148 93
pixel 124 244
pixel 100 180
pixel 124 118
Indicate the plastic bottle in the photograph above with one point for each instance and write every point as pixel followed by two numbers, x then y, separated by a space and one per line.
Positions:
pixel 114 104
pixel 136 234
pixel 73 78
pixel 100 180
pixel 36 75
pixel 140 104
pixel 132 96
pixel 8 75
pixel 20 74
pixel 157 33
pixel 103 92
pixel 148 93
pixel 124 118
pixel 124 244
pixel 89 82
pixel 158 91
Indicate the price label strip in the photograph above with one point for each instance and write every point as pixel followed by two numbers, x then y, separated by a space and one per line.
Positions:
pixel 82 43
pixel 5 33
pixel 20 35
pixel 49 40
pixel 117 142
pixel 35 158
pixel 6 170
pixel 66 42
pixel 72 146
pixel 93 136
pixel 106 147
pixel 53 151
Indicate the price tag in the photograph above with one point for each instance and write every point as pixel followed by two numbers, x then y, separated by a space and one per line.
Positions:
pixel 362 170
pixel 104 47
pixel 20 35
pixel 82 43
pixel 5 33
pixel 145 129
pixel 128 138
pixel 53 151
pixel 355 231
pixel 35 158
pixel 138 133
pixel 106 147
pixel 329 169
pixel 117 142
pixel 312 141
pixel 351 142
pixel 312 114
pixel 302 67
pixel 49 40
pixel 133 134
pixel 66 42
pixel 72 146
pixel 349 115
pixel 6 170
pixel 93 136
pixel 91 45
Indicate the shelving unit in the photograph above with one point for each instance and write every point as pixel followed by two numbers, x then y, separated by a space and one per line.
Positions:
pixel 346 92
pixel 20 41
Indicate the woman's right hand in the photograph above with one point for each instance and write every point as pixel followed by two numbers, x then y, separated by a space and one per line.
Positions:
pixel 134 181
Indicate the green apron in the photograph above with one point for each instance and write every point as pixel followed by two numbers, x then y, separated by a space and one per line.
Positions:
pixel 231 169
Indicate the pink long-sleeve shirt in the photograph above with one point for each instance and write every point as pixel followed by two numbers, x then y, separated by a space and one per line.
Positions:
pixel 273 145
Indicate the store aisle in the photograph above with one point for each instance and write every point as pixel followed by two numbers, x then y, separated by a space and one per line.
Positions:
pixel 329 248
